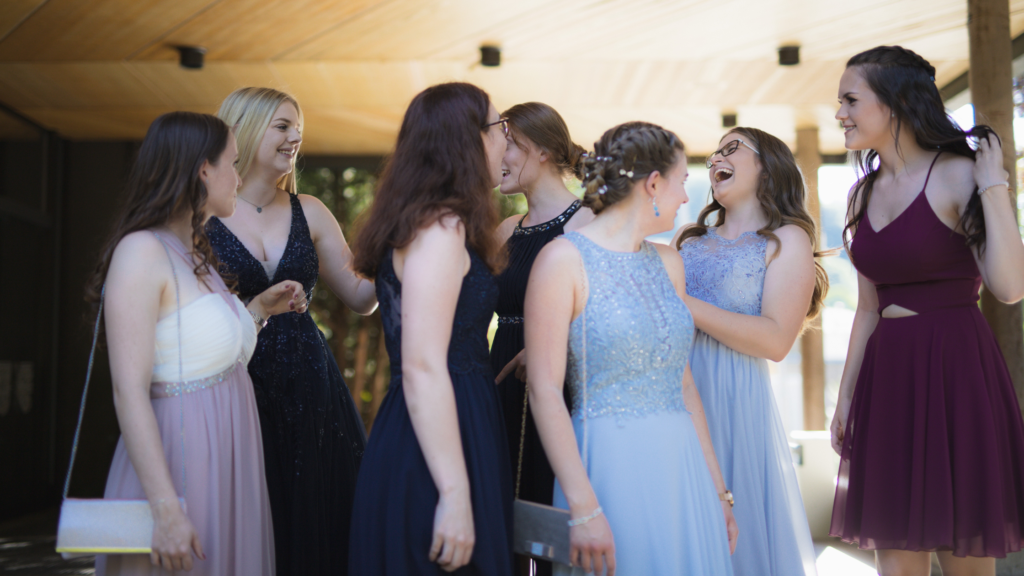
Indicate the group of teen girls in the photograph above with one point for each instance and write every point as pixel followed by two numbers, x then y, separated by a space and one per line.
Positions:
pixel 627 381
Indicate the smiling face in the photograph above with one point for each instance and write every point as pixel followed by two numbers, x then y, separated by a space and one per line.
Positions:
pixel 521 165
pixel 222 182
pixel 867 122
pixel 494 145
pixel 280 143
pixel 738 173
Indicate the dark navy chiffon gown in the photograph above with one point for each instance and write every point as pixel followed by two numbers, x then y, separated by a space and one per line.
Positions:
pixel 393 515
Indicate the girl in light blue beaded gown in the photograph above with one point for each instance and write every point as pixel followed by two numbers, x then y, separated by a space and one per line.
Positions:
pixel 752 283
pixel 633 463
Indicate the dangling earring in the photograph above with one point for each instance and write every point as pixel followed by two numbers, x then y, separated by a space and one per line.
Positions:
pixel 654 201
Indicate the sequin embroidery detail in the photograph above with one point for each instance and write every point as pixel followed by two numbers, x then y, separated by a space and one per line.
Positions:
pixel 638 335
pixel 172 389
pixel 557 221
pixel 510 320
pixel 726 273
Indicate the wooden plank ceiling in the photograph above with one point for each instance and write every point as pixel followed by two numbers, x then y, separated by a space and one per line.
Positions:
pixel 103 69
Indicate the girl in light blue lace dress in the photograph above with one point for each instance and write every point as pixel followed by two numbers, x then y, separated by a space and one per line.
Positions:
pixel 752 282
pixel 633 463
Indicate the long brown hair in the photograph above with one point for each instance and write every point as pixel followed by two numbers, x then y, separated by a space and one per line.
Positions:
pixel 782 193
pixel 543 126
pixel 164 184
pixel 905 83
pixel 439 167
pixel 624 155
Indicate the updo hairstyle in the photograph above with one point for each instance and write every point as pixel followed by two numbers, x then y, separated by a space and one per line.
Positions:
pixel 544 127
pixel 624 155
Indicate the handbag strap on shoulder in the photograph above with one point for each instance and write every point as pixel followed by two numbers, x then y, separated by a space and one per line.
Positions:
pixel 88 376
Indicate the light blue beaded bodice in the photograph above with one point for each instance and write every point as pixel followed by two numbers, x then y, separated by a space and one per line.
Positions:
pixel 726 273
pixel 638 335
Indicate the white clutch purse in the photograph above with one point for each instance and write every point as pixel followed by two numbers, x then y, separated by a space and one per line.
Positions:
pixel 99 526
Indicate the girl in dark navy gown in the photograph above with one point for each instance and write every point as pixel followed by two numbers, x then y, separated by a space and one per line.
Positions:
pixel 927 422
pixel 434 492
pixel 540 156
pixel 313 438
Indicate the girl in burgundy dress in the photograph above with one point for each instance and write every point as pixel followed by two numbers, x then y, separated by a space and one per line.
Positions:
pixel 927 423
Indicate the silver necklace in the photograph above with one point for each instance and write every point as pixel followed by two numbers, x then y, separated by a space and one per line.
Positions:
pixel 259 209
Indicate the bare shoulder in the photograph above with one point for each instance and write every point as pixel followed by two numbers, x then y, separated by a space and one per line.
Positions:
pixel 954 175
pixel 446 231
pixel 139 256
pixel 556 254
pixel 792 235
pixel 316 213
pixel 673 262
pixel 507 227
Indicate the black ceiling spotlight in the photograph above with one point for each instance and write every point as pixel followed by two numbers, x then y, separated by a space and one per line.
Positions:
pixel 728 120
pixel 789 55
pixel 490 56
pixel 191 56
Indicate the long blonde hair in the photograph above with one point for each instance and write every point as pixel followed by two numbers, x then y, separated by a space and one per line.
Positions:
pixel 249 111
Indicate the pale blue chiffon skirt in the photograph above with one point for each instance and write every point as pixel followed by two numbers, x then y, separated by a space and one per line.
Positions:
pixel 653 483
pixel 756 461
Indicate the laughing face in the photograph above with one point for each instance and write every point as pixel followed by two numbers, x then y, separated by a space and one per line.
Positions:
pixel 280 144
pixel 866 121
pixel 738 170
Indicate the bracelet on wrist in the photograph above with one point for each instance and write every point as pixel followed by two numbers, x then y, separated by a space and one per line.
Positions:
pixel 585 519
pixel 260 322
pixel 727 497
pixel 986 188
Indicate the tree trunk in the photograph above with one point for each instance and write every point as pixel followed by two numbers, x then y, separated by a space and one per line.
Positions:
pixel 812 343
pixel 991 76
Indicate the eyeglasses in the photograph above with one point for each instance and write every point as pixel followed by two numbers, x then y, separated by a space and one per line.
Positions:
pixel 727 150
pixel 504 125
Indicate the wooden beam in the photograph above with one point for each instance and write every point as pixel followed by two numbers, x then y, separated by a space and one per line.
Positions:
pixel 991 76
pixel 812 344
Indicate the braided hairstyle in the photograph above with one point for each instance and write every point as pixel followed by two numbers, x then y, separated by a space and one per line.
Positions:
pixel 905 83
pixel 626 154
pixel 543 126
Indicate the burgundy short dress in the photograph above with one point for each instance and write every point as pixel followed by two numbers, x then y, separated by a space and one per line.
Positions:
pixel 933 454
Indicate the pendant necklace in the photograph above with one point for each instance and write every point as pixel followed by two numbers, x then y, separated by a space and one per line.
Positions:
pixel 259 209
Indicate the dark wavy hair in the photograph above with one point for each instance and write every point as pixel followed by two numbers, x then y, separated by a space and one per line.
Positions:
pixel 905 83
pixel 438 168
pixel 782 193
pixel 164 184
pixel 544 127
pixel 626 154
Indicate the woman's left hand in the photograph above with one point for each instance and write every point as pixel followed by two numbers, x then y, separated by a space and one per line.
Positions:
pixel 988 163
pixel 730 526
pixel 287 296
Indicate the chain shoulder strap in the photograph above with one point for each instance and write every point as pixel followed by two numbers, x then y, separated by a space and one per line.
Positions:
pixel 85 392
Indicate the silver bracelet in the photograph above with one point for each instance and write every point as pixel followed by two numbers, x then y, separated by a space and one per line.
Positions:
pixel 585 519
pixel 985 189
pixel 260 322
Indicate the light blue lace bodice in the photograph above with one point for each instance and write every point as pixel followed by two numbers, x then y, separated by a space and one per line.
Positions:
pixel 726 273
pixel 638 335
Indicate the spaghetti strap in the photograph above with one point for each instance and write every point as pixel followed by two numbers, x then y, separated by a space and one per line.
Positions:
pixel 929 176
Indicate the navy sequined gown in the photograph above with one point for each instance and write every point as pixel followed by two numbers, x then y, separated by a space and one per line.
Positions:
pixel 393 516
pixel 313 438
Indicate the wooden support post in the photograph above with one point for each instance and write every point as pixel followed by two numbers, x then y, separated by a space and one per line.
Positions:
pixel 812 344
pixel 991 79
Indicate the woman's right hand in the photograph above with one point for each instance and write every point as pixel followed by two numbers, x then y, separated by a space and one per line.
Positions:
pixel 838 427
pixel 174 537
pixel 592 547
pixel 517 364
pixel 454 535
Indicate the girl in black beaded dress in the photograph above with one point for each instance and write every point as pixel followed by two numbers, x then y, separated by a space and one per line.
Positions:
pixel 313 438
pixel 539 157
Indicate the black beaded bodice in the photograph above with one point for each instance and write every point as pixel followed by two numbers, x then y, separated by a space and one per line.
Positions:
pixel 467 349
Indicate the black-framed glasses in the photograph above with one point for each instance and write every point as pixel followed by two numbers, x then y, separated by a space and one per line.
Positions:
pixel 504 125
pixel 727 150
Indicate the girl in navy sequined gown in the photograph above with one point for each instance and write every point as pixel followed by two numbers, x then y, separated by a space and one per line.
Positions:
pixel 434 492
pixel 313 437
pixel 540 155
